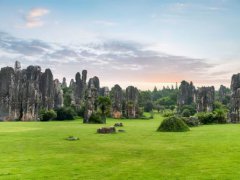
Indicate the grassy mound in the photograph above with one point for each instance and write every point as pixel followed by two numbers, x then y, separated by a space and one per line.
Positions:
pixel 173 124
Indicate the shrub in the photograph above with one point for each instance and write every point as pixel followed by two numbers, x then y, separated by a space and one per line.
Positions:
pixel 186 113
pixel 80 112
pixel 168 113
pixel 47 115
pixel 140 111
pixel 65 113
pixel 96 118
pixel 191 121
pixel 173 124
pixel 220 116
pixel 190 108
pixel 206 118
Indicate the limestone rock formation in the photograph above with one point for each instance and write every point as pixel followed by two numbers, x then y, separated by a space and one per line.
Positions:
pixel 117 101
pixel 84 77
pixel 186 95
pixel 78 90
pixel 72 84
pixel 224 95
pixel 205 98
pixel 64 83
pixel 91 98
pixel 235 99
pixel 24 92
pixel 104 91
pixel 94 82
pixel 32 84
pixel 132 95
pixel 58 94
pixel 47 89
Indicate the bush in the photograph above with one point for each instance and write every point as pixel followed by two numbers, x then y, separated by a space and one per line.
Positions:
pixel 217 116
pixel 65 113
pixel 220 116
pixel 168 113
pixel 80 112
pixel 206 118
pixel 191 121
pixel 173 124
pixel 47 115
pixel 190 108
pixel 96 118
pixel 186 113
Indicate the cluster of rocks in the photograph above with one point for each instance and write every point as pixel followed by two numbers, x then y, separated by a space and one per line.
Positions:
pixel 235 99
pixel 125 103
pixel 109 130
pixel 118 125
pixel 203 97
pixel 23 92
pixel 86 94
pixel 223 94
pixel 106 130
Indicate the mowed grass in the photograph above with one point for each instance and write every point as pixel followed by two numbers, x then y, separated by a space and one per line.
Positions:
pixel 38 150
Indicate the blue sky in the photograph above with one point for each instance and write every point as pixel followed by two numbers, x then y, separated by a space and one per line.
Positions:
pixel 139 42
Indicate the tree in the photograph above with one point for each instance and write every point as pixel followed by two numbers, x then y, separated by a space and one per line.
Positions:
pixel 148 107
pixel 186 113
pixel 67 96
pixel 104 104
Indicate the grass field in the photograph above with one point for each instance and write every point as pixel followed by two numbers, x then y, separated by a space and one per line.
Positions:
pixel 38 150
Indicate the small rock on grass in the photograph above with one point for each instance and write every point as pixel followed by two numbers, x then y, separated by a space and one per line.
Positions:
pixel 72 138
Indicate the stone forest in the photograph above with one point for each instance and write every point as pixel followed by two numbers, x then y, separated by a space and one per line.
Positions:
pixel 28 94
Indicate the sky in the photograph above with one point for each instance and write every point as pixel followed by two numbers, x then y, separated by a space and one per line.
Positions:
pixel 144 43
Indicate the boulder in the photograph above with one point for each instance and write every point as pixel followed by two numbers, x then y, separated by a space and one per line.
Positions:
pixel 106 130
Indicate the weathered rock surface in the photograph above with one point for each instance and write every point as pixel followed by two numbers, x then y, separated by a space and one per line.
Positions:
pixel 106 130
pixel 58 94
pixel 78 90
pixel 205 98
pixel 117 101
pixel 104 91
pixel 91 98
pixel 186 95
pixel 24 92
pixel 64 83
pixel 235 99
pixel 132 95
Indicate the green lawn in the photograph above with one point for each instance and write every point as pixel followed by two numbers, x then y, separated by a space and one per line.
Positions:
pixel 37 150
